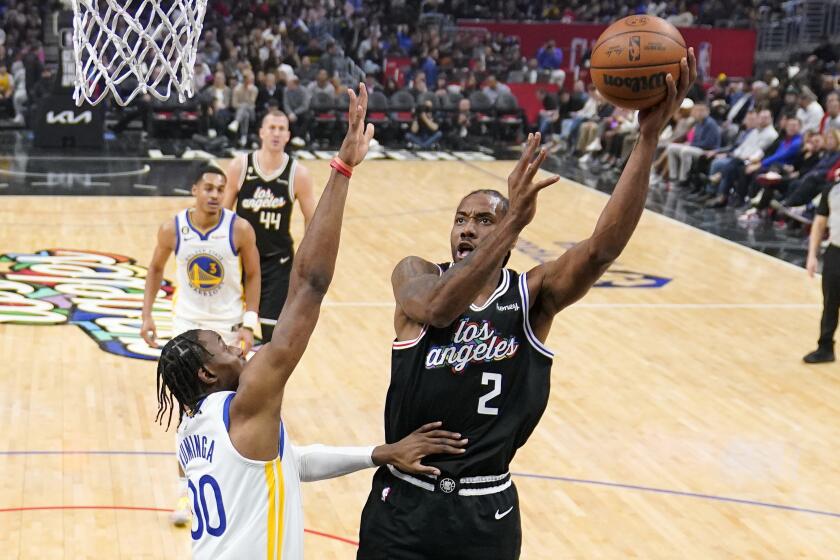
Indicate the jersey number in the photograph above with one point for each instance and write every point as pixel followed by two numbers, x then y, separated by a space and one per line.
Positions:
pixel 270 219
pixel 202 515
pixel 486 379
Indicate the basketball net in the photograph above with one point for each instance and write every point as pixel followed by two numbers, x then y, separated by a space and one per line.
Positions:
pixel 133 47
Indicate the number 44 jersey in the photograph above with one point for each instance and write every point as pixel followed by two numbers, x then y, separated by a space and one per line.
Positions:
pixel 486 376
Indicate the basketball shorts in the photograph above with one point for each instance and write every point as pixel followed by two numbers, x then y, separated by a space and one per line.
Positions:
pixel 274 285
pixel 446 519
pixel 228 332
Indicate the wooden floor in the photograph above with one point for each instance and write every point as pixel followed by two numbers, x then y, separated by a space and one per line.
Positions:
pixel 681 424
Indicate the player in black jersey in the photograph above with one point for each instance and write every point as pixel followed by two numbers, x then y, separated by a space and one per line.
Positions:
pixel 469 351
pixel 264 186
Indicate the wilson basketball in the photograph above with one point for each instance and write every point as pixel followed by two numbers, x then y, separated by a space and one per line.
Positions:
pixel 631 59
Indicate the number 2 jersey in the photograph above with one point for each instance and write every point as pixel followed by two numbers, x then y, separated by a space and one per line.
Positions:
pixel 241 508
pixel 486 376
pixel 266 202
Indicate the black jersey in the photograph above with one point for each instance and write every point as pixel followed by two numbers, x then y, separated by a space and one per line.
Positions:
pixel 266 202
pixel 486 376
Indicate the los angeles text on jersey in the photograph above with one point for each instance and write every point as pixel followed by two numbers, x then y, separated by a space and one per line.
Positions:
pixel 473 342
pixel 196 446
pixel 264 199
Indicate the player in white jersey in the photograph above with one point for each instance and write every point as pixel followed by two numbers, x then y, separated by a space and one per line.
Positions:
pixel 209 242
pixel 243 472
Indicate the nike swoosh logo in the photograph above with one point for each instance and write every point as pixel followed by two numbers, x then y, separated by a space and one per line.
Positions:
pixel 284 260
pixel 507 511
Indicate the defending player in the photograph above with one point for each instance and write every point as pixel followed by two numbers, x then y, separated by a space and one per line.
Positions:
pixel 470 351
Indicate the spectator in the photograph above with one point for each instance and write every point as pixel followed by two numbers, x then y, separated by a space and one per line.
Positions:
pixel 424 131
pixel 430 68
pixel 810 113
pixel 244 102
pixel 328 61
pixel 706 137
pixel 7 89
pixel 296 107
pixel 418 85
pixel 831 119
pixel 219 100
pixel 270 95
pixel 548 115
pixel 202 75
pixel 19 96
pixel 493 88
pixel 550 57
pixel 464 128
pixel 306 71
pixel 321 84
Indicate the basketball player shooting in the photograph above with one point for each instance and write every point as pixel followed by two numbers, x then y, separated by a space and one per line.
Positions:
pixel 470 351
pixel 244 474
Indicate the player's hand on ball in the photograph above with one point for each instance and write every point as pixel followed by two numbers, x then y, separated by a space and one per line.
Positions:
pixel 356 142
pixel 522 190
pixel 407 453
pixel 654 119
pixel 148 331
pixel 245 339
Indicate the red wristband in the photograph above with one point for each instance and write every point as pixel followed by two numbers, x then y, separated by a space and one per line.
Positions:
pixel 341 167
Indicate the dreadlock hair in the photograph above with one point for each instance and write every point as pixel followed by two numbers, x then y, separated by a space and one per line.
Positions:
pixel 177 376
pixel 502 208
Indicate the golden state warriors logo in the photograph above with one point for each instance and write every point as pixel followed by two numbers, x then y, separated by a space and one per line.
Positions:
pixel 205 273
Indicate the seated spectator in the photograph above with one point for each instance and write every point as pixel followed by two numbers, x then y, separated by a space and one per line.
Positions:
pixel 810 112
pixel 807 187
pixel 307 72
pixel 675 132
pixel 622 126
pixel 726 162
pixel 492 88
pixel 531 72
pixel 549 114
pixel 424 131
pixel 269 95
pixel 550 57
pixel 219 100
pixel 202 75
pixel 418 85
pixel 328 61
pixel 831 119
pixel 296 107
pixel 589 136
pixel 570 126
pixel 321 84
pixel 706 136
pixel 783 151
pixel 244 101
pixel 19 96
pixel 464 129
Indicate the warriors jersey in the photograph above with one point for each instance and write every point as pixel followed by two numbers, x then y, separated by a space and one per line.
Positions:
pixel 209 275
pixel 241 508
pixel 266 202
pixel 485 376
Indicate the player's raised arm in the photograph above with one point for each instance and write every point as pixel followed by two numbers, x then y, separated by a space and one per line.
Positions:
pixel 562 282
pixel 425 296
pixel 255 411
pixel 154 276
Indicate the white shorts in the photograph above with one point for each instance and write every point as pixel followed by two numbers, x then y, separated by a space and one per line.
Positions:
pixel 226 331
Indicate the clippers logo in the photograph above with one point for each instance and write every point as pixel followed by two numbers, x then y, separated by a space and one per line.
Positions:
pixel 634 51
pixel 205 273
pixel 447 485
pixel 69 117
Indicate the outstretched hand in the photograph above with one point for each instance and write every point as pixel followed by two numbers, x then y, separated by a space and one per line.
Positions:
pixel 356 142
pixel 522 191
pixel 654 119
pixel 407 453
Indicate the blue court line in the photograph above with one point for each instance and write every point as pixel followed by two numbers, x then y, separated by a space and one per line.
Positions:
pixel 517 474
pixel 677 493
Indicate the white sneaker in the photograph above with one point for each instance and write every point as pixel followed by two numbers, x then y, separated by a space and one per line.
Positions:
pixel 233 126
pixel 585 158
pixel 211 133
pixel 181 516
pixel 298 142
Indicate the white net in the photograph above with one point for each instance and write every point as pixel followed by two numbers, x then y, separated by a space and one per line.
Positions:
pixel 131 47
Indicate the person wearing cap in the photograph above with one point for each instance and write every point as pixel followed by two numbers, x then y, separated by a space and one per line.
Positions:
pixel 810 112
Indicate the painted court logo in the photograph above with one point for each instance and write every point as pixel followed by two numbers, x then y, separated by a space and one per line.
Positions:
pixel 101 293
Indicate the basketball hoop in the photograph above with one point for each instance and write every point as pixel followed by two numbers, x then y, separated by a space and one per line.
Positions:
pixel 129 47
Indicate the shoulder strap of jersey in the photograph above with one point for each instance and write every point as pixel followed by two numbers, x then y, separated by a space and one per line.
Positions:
pixel 249 164
pixel 230 215
pixel 292 170
pixel 526 321
pixel 178 219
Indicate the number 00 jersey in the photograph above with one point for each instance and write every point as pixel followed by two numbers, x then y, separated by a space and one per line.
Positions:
pixel 241 508
pixel 208 275
pixel 485 376
pixel 266 202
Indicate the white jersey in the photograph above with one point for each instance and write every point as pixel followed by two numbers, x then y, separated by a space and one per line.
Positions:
pixel 209 274
pixel 242 509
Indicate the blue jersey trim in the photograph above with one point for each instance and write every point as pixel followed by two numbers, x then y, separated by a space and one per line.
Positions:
pixel 205 236
pixel 177 235
pixel 230 237
pixel 226 411
pixel 282 441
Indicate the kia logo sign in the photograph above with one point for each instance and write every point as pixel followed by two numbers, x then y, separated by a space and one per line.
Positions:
pixel 69 117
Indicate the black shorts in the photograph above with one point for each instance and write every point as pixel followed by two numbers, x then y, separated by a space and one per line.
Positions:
pixel 274 286
pixel 401 521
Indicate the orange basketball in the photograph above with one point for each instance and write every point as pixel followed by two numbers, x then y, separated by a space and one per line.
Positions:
pixel 631 59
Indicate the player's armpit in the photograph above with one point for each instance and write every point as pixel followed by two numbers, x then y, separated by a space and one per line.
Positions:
pixel 416 284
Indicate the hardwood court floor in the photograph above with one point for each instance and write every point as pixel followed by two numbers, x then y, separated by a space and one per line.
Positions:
pixel 681 422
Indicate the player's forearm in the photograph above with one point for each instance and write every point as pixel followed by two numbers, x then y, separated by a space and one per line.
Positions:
pixel 154 276
pixel 619 218
pixel 817 233
pixel 320 462
pixel 315 260
pixel 252 291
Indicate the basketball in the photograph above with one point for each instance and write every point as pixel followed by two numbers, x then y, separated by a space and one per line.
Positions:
pixel 631 59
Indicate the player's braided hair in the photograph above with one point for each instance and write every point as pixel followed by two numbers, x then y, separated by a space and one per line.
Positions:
pixel 502 208
pixel 177 376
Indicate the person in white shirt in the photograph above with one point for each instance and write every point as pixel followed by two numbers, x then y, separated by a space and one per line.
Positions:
pixel 831 118
pixel 810 112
